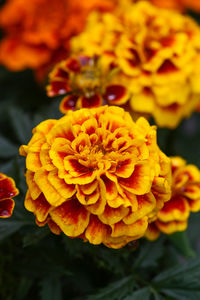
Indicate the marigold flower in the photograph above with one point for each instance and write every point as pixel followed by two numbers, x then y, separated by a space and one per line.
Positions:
pixel 157 52
pixel 97 175
pixel 86 82
pixel 178 4
pixel 185 199
pixel 37 34
pixel 7 191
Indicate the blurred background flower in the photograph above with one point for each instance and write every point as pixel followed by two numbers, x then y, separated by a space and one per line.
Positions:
pixel 8 190
pixel 185 199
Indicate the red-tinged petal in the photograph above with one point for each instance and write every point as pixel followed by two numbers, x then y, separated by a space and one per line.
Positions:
pixel 146 204
pixel 50 193
pixel 71 217
pixel 89 188
pixel 82 179
pixel 113 215
pixel 73 65
pixel 64 189
pixel 39 206
pixel 139 182
pixel 2 176
pixel 89 126
pixel 96 232
pixel 125 167
pixel 63 130
pixel 90 102
pixel 57 87
pixel 73 167
pixel 59 149
pixel 33 187
pixel 80 142
pixel 111 190
pixel 116 94
pixel 175 209
pixel 152 232
pixel 6 208
pixel 87 199
pixel 171 227
pixel 135 230
pixel 68 103
pixel 54 227
pixel 194 205
pixel 191 191
pixel 98 207
pixel 7 188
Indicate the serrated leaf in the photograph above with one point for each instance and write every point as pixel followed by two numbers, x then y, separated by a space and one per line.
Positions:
pixel 184 272
pixel 21 124
pixel 182 244
pixel 115 291
pixel 143 294
pixel 51 289
pixel 7 149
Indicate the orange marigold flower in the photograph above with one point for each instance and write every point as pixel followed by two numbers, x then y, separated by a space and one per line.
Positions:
pixel 97 175
pixel 185 199
pixel 7 191
pixel 86 82
pixel 37 33
pixel 178 4
pixel 157 52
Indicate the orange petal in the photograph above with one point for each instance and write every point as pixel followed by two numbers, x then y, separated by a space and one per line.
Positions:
pixel 40 207
pixel 146 204
pixel 110 186
pixel 50 193
pixel 89 188
pixel 139 182
pixel 6 208
pixel 152 232
pixel 33 187
pixel 65 190
pixel 175 209
pixel 96 232
pixel 135 230
pixel 33 162
pixel 87 199
pixel 54 227
pixel 68 103
pixel 171 227
pixel 71 217
pixel 125 168
pixel 113 215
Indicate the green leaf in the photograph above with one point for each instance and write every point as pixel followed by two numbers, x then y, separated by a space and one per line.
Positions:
pixel 143 294
pixel 21 124
pixel 9 226
pixel 182 294
pixel 182 244
pixel 184 272
pixel 115 291
pixel 36 236
pixel 51 289
pixel 7 149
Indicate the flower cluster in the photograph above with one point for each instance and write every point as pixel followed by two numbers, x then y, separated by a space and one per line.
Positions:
pixel 157 53
pixel 86 82
pixel 7 191
pixel 37 33
pixel 97 175
pixel 185 199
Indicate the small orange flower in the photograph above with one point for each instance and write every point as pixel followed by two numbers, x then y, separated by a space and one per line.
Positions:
pixel 86 83
pixel 97 175
pixel 157 53
pixel 7 190
pixel 37 33
pixel 185 199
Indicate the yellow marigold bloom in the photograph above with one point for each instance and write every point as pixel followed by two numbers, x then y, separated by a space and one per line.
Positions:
pixel 7 191
pixel 86 82
pixel 97 175
pixel 185 199
pixel 157 52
